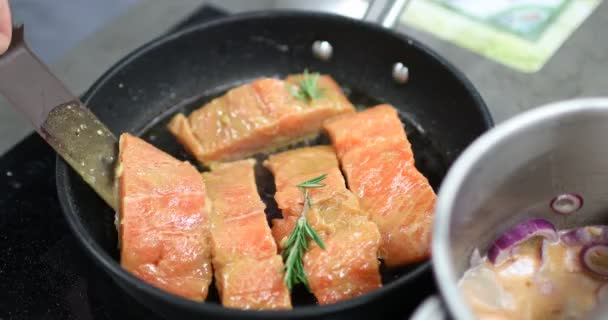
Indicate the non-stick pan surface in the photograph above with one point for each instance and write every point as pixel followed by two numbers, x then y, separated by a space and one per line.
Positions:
pixel 441 111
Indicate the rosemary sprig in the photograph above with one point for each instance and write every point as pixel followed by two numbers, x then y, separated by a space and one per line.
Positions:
pixel 308 89
pixel 297 243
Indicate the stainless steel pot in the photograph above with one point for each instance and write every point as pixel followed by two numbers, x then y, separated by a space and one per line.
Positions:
pixel 511 173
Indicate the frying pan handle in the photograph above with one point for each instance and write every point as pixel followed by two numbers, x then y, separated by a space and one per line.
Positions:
pixel 432 308
pixel 385 12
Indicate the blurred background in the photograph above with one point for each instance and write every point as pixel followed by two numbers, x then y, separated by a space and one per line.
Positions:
pixel 546 50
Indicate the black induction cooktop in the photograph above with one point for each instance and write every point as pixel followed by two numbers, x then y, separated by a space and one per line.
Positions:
pixel 44 273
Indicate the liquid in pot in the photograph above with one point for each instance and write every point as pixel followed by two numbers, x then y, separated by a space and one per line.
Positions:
pixel 540 280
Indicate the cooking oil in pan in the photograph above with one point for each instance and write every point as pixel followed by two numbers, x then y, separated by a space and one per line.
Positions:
pixel 428 160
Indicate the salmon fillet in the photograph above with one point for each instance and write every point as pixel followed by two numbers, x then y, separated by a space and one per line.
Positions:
pixel 348 267
pixel 248 270
pixel 378 163
pixel 164 221
pixel 257 117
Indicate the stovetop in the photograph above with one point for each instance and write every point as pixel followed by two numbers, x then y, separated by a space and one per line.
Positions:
pixel 44 273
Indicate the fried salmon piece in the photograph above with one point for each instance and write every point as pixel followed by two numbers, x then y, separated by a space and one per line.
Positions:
pixel 259 116
pixel 164 221
pixel 248 270
pixel 348 266
pixel 379 166
pixel 254 284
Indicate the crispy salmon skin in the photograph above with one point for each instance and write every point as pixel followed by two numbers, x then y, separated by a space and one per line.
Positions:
pixel 378 163
pixel 164 220
pixel 348 267
pixel 256 117
pixel 248 270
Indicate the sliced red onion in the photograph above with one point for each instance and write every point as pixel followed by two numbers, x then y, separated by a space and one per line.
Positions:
pixel 595 259
pixel 585 235
pixel 566 203
pixel 503 246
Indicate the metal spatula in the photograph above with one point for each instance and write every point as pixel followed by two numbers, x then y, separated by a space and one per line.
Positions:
pixel 59 117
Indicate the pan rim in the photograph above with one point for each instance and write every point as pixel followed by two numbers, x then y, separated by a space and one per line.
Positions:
pixel 112 267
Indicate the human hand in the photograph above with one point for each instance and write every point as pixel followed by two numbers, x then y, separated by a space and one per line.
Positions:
pixel 6 26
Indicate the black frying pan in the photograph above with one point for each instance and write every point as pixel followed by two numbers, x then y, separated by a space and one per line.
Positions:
pixel 441 111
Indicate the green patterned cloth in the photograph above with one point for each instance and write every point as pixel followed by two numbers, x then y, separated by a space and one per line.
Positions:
pixel 522 34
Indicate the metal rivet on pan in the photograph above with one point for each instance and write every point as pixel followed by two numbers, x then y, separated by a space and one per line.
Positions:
pixel 566 203
pixel 322 50
pixel 400 72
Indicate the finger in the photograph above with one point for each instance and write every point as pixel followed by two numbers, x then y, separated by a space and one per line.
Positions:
pixel 6 27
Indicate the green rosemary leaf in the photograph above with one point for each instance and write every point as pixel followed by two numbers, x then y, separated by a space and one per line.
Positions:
pixel 313 183
pixel 307 87
pixel 312 234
